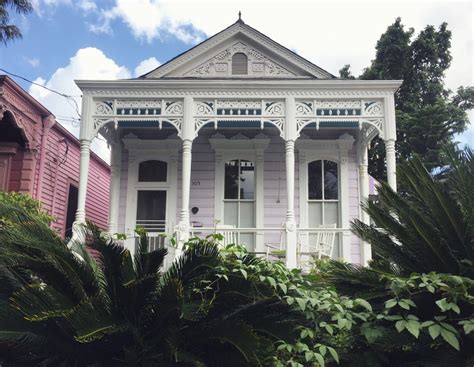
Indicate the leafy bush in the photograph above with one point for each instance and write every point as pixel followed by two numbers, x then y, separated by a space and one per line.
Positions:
pixel 30 205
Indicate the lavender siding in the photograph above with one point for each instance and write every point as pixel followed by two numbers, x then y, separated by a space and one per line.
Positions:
pixel 203 179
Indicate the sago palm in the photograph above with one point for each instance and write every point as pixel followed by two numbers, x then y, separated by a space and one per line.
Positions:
pixel 66 307
pixel 430 225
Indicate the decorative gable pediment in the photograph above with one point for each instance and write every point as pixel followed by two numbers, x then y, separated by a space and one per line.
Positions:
pixel 214 58
pixel 258 64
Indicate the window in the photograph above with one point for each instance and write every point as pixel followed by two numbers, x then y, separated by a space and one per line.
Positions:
pixel 323 193
pixel 239 64
pixel 239 198
pixel 152 171
pixel 323 197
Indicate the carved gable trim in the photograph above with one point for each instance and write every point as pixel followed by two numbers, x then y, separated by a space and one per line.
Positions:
pixel 259 65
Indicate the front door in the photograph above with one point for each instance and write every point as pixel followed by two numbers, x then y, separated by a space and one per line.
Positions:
pixel 151 215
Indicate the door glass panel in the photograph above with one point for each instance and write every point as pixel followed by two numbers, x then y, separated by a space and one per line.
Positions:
pixel 151 210
pixel 152 171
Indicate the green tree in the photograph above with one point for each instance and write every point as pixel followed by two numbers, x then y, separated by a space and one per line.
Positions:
pixel 8 31
pixel 428 117
pixel 345 72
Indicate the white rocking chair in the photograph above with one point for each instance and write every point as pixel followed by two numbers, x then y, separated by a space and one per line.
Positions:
pixel 323 245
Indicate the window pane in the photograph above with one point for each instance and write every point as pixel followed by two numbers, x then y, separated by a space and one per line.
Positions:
pixel 331 214
pixel 151 209
pixel 314 181
pixel 330 180
pixel 230 213
pixel 231 190
pixel 247 180
pixel 315 217
pixel 152 171
pixel 247 214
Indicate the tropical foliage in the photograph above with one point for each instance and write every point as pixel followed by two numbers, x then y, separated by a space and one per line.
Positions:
pixel 95 304
pixel 8 31
pixel 421 278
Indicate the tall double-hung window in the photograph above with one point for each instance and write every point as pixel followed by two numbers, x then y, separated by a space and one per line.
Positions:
pixel 239 197
pixel 323 193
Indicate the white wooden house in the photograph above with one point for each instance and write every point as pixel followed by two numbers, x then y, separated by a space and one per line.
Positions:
pixel 243 132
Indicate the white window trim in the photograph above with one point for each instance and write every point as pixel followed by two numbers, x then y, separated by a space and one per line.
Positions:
pixel 143 150
pixel 243 149
pixel 337 150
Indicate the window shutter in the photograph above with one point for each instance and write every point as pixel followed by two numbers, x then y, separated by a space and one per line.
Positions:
pixel 239 64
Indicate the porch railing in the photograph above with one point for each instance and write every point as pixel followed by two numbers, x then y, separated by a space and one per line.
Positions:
pixel 272 239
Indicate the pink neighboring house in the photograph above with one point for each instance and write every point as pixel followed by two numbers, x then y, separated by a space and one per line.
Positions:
pixel 40 157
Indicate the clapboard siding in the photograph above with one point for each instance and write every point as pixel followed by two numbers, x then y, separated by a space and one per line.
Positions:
pixel 61 170
pixel 275 204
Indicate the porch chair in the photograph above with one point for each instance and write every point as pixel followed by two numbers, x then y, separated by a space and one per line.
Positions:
pixel 274 251
pixel 323 245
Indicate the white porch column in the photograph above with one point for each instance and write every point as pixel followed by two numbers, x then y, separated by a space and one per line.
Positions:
pixel 345 141
pixel 290 225
pixel 364 196
pixel 115 176
pixel 188 134
pixel 86 134
pixel 390 136
pixel 391 163
pixel 83 178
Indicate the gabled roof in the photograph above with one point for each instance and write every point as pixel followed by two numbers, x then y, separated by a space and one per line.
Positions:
pixel 211 58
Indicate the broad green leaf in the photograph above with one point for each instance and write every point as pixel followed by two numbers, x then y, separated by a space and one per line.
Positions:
pixel 434 331
pixel 320 359
pixel 413 327
pixel 390 303
pixel 400 325
pixel 334 354
pixel 450 338
pixel 364 304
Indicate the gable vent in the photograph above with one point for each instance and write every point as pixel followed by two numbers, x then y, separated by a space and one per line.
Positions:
pixel 239 64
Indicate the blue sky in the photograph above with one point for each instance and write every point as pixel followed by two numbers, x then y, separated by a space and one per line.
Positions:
pixel 109 39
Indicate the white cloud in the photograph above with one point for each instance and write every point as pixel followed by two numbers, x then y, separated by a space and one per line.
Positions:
pixel 87 63
pixel 147 19
pixel 146 66
pixel 87 5
pixel 34 62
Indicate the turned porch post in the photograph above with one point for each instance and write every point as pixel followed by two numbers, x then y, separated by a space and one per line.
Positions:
pixel 115 175
pixel 290 134
pixel 85 138
pixel 390 136
pixel 364 196
pixel 187 135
